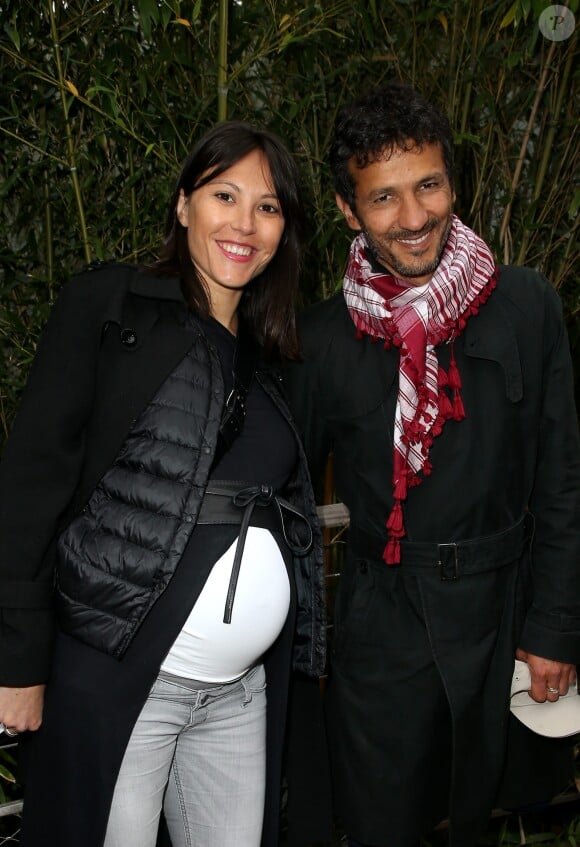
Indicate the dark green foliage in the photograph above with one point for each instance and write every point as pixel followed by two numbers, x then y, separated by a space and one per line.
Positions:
pixel 138 83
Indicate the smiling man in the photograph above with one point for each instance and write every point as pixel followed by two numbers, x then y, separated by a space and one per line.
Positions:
pixel 442 385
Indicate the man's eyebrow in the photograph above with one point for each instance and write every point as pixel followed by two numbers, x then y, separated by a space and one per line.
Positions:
pixel 389 189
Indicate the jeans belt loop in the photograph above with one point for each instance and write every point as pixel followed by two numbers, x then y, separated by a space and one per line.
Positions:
pixel 448 567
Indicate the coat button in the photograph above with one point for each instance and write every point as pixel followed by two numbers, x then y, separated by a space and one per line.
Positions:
pixel 363 566
pixel 188 519
pixel 128 337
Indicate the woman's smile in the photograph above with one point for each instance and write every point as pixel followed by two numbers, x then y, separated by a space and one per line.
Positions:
pixel 234 225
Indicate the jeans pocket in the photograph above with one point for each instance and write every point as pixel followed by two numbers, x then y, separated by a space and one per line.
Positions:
pixel 254 684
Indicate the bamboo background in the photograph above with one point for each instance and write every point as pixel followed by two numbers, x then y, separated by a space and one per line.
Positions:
pixel 101 100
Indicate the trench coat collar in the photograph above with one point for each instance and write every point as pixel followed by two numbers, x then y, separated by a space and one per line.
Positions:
pixel 156 287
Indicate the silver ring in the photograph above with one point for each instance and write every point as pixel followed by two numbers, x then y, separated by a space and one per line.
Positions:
pixel 551 690
pixel 10 732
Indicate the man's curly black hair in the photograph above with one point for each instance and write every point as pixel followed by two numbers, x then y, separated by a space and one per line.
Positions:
pixel 391 117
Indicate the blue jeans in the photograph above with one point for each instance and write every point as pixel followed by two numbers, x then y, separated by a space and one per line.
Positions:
pixel 200 754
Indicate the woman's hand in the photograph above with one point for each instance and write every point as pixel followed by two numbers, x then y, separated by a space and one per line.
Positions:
pixel 21 708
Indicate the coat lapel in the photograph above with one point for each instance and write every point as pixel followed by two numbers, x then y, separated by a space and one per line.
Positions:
pixel 490 335
pixel 142 342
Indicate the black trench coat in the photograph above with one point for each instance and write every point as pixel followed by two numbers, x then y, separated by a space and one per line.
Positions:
pixel 419 686
pixel 80 401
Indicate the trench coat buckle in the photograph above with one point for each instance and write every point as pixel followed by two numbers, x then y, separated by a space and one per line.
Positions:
pixel 448 561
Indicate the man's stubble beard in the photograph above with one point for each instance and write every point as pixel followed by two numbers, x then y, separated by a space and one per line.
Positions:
pixel 393 264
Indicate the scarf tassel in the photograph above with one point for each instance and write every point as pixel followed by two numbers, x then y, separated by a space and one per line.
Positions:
pixel 458 408
pixel 395 523
pixel 445 407
pixel 453 377
pixel 396 527
pixel 454 381
pixel 392 552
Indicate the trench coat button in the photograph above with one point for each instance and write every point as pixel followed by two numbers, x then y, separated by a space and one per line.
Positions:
pixel 207 450
pixel 363 566
pixel 128 337
pixel 188 519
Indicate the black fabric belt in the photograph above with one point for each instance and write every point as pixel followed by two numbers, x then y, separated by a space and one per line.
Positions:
pixel 453 559
pixel 230 502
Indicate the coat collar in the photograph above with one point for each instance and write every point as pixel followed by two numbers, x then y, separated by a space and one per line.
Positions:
pixel 157 287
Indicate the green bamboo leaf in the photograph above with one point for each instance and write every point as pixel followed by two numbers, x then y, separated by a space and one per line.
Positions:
pixel 196 10
pixel 466 136
pixel 148 8
pixel 574 205
pixel 513 59
pixel 6 774
pixel 510 16
pixel 12 35
pixel 149 14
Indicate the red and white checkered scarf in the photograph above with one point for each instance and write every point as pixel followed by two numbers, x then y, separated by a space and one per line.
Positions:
pixel 416 319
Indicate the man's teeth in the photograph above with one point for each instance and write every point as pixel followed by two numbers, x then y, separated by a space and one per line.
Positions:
pixel 414 240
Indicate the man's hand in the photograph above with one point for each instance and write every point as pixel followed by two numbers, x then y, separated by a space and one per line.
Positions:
pixel 549 679
pixel 21 708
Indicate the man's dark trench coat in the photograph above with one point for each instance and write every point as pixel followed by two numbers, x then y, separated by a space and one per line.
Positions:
pixel 421 667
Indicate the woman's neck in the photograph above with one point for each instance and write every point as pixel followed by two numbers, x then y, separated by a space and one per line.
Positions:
pixel 225 311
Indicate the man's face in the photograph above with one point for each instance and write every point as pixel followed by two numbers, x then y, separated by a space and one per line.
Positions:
pixel 403 204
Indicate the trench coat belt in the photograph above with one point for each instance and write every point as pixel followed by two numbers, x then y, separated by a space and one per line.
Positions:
pixel 452 559
pixel 229 502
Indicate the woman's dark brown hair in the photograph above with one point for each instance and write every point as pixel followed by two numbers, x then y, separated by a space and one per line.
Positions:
pixel 267 304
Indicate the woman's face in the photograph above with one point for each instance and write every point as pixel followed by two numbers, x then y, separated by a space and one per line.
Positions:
pixel 234 225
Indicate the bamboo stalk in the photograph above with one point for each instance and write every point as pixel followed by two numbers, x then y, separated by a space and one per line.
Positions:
pixel 134 217
pixel 24 141
pixel 523 149
pixel 49 252
pixel 72 165
pixel 222 73
pixel 480 184
pixel 48 232
pixel 548 146
pixel 477 15
pixel 548 150
pixel 572 241
pixel 452 79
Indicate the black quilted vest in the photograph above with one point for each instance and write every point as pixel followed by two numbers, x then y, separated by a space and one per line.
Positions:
pixel 118 555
